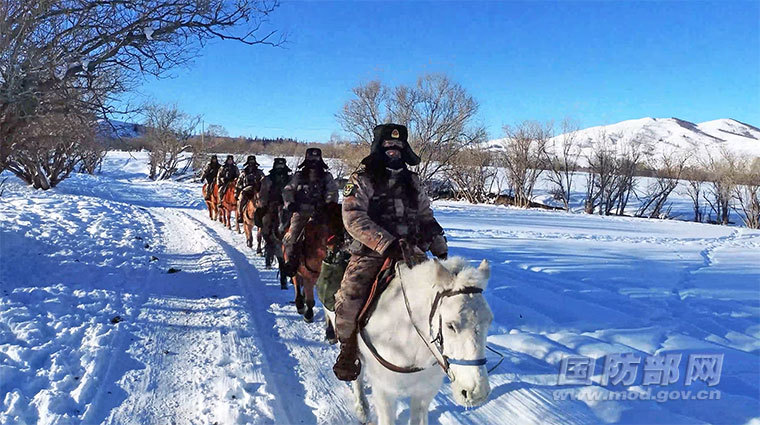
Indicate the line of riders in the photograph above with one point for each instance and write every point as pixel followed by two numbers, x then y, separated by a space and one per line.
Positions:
pixel 386 214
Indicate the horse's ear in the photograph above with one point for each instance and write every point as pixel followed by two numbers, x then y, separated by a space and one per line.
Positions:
pixel 485 269
pixel 441 274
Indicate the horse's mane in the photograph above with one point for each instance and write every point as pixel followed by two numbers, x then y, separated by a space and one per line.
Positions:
pixel 453 273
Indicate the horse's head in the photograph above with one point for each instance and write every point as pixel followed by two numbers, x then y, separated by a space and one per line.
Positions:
pixel 460 320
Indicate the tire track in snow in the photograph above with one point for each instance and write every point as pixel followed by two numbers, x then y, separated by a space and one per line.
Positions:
pixel 280 372
pixel 96 413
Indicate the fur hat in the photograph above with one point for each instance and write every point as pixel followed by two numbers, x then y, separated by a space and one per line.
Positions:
pixel 251 159
pixel 213 157
pixel 313 154
pixel 385 132
pixel 282 163
pixel 230 157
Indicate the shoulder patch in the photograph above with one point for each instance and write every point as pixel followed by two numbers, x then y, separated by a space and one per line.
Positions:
pixel 349 189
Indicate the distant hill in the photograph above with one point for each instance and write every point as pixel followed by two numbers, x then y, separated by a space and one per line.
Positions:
pixel 114 129
pixel 657 135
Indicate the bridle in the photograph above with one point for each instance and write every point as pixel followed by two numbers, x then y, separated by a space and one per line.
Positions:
pixel 438 340
pixel 435 345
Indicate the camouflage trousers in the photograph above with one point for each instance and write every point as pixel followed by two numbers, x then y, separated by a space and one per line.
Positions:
pixel 354 291
pixel 297 222
pixel 245 195
pixel 223 190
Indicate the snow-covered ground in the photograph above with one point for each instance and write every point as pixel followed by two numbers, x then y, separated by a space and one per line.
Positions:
pixel 219 342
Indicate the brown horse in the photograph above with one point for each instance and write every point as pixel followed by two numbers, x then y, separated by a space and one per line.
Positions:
pixel 227 206
pixel 311 249
pixel 212 203
pixel 248 223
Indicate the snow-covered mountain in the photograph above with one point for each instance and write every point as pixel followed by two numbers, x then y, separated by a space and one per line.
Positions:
pixel 657 135
pixel 114 129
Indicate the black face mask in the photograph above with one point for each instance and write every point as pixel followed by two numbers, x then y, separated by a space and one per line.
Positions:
pixel 394 163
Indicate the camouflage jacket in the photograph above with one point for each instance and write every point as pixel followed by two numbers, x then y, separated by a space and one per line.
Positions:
pixel 249 177
pixel 309 196
pixel 271 192
pixel 227 173
pixel 209 173
pixel 376 216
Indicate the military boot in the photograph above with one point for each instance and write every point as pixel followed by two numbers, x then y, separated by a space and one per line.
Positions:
pixel 347 365
pixel 308 315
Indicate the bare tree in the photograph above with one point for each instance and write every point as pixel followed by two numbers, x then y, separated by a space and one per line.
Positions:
pixel 625 180
pixel 92 153
pixel 366 110
pixel 722 181
pixel 47 152
pixel 696 178
pixel 561 159
pixel 168 131
pixel 210 137
pixel 747 193
pixel 62 55
pixel 524 147
pixel 438 113
pixel 611 177
pixel 602 164
pixel 473 173
pixel 668 169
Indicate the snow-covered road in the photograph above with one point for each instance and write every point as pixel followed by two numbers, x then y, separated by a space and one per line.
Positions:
pixel 219 342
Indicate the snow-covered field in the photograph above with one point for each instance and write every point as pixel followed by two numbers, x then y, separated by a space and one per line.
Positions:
pixel 219 342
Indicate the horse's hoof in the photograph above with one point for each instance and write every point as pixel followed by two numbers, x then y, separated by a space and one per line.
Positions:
pixel 330 334
pixel 308 317
pixel 300 307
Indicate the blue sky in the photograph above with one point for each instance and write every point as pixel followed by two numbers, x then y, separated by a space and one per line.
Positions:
pixel 594 62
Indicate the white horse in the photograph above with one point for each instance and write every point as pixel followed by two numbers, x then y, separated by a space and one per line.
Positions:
pixel 431 321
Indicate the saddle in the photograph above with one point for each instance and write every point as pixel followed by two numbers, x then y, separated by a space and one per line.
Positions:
pixel 381 282
pixel 384 277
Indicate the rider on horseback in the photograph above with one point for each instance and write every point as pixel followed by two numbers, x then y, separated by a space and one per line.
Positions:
pixel 209 174
pixel 306 197
pixel 269 204
pixel 248 184
pixel 383 202
pixel 227 174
